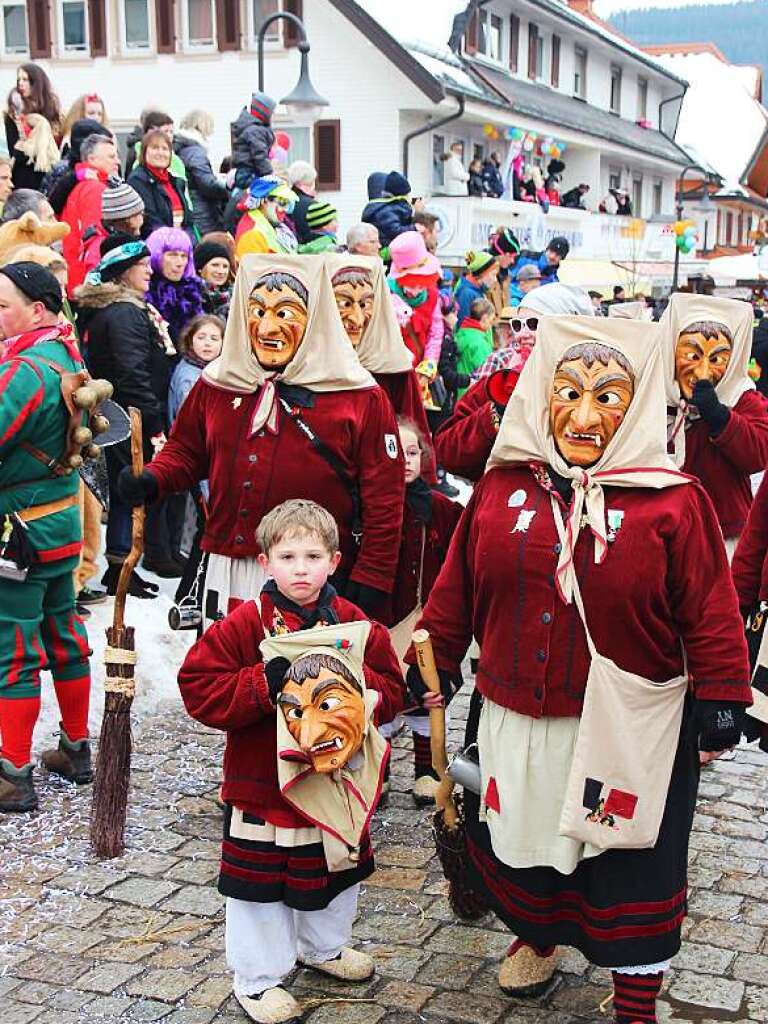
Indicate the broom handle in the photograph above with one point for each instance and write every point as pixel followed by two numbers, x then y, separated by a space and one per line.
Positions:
pixel 425 659
pixel 137 532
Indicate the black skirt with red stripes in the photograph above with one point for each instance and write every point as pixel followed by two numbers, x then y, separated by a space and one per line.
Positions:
pixel 297 876
pixel 623 908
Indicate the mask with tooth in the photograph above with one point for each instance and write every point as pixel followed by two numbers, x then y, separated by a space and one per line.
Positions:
pixel 324 711
pixel 277 319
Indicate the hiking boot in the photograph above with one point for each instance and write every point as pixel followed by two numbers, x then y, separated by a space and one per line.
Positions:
pixel 274 1006
pixel 524 973
pixel 137 587
pixel 70 760
pixel 17 787
pixel 349 965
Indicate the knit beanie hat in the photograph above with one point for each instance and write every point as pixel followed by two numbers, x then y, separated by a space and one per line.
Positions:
pixel 560 245
pixel 119 201
pixel 207 251
pixel 505 242
pixel 479 262
pixel 36 282
pixel 262 107
pixel 397 184
pixel 80 131
pixel 320 213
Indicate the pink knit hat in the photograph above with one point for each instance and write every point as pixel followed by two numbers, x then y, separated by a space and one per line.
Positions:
pixel 410 256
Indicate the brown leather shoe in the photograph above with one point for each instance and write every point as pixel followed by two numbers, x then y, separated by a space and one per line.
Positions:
pixel 17 787
pixel 70 760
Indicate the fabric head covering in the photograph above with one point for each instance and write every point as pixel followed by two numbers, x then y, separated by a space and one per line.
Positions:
pixel 80 131
pixel 630 311
pixel 410 256
pixel 325 360
pixel 119 201
pixel 320 213
pixel 262 107
pixel 340 804
pixel 682 311
pixel 477 262
pixel 557 300
pixel 37 283
pixel 636 455
pixel 382 349
pixel 164 240
pixel 119 252
pixel 504 241
pixel 207 251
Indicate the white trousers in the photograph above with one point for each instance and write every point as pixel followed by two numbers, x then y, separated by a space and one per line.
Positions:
pixel 264 940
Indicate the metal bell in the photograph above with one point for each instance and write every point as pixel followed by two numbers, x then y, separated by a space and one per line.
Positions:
pixel 85 397
pixel 91 451
pixel 103 388
pixel 82 436
pixel 99 424
pixel 75 461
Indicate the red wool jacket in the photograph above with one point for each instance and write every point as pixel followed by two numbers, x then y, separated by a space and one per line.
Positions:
pixel 464 442
pixel 437 538
pixel 724 463
pixel 250 475
pixel 82 211
pixel 223 685
pixel 402 389
pixel 750 562
pixel 665 579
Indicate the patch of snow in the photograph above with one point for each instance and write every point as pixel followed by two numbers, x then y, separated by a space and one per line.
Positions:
pixel 429 23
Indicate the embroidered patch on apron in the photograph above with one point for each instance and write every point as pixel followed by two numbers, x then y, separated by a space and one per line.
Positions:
pixel 524 520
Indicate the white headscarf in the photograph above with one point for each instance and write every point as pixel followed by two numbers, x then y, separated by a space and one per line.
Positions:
pixel 557 300
pixel 325 360
pixel 636 455
pixel 683 310
pixel 630 311
pixel 382 349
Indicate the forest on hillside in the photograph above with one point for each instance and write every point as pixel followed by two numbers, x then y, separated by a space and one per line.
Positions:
pixel 739 30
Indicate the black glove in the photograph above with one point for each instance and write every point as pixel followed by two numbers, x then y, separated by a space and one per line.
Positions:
pixel 418 690
pixel 711 409
pixel 368 599
pixel 135 490
pixel 275 670
pixel 719 723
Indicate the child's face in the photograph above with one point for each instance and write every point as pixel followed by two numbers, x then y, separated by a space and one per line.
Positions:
pixel 410 445
pixel 206 342
pixel 300 566
pixel 486 321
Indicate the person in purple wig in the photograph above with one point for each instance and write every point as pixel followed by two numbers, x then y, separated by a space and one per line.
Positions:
pixel 175 290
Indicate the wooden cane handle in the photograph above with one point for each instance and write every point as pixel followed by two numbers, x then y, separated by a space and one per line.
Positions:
pixel 137 522
pixel 425 659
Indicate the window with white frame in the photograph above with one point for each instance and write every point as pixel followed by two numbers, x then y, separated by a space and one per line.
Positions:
pixel 491 28
pixel 614 178
pixel 199 21
pixel 74 26
pixel 136 33
pixel 14 28
pixel 642 99
pixel 579 72
pixel 658 194
pixel 300 149
pixel 260 11
pixel 615 97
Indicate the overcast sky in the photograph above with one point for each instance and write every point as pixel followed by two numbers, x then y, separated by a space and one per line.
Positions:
pixel 607 7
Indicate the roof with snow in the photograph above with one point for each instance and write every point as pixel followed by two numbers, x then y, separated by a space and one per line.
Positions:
pixel 720 118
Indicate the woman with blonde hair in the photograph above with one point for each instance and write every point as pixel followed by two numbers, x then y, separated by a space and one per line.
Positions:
pixel 208 194
pixel 90 106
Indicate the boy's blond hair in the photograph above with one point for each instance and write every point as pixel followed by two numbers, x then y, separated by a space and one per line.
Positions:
pixel 297 518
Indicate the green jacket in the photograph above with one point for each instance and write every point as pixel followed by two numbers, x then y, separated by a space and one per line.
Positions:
pixel 321 243
pixel 474 345
pixel 32 410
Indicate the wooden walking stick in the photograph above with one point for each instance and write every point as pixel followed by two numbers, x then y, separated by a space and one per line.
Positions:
pixel 113 764
pixel 448 824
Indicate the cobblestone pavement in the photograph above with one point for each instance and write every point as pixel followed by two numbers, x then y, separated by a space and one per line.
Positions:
pixel 141 938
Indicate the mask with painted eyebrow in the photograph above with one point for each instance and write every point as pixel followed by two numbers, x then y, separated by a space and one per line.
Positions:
pixel 325 715
pixel 698 357
pixel 587 406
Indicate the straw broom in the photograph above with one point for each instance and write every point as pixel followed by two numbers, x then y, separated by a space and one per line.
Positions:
pixel 113 764
pixel 448 824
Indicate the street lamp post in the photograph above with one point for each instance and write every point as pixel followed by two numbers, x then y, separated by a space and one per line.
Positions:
pixel 679 215
pixel 304 94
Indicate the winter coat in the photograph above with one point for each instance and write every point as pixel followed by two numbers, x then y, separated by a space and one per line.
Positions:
pixel 319 242
pixel 392 215
pixel 549 274
pixel 299 216
pixel 158 212
pixel 750 562
pixel 455 177
pixel 82 211
pixel 123 345
pixel 207 194
pixel 494 186
pixel 464 442
pixel 573 199
pixel 664 587
pixel 724 463
pixel 133 156
pixel 251 144
pixel 448 370
pixel 250 474
pixel 465 294
pixel 184 378
pixel 223 685
pixel 476 184
pixel 474 345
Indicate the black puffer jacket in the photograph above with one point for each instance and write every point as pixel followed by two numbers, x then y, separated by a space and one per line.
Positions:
pixel 122 344
pixel 251 143
pixel 208 194
pixel 158 212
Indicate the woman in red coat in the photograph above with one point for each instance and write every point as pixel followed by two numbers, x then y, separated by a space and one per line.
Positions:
pixel 717 421
pixel 583 519
pixel 285 412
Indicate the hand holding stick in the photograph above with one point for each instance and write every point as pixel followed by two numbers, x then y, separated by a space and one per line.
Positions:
pixel 425 658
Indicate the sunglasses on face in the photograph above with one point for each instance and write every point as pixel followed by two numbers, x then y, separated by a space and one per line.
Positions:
pixel 531 323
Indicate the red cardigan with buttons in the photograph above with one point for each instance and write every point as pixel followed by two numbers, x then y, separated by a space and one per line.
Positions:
pixel 665 580
pixel 464 442
pixel 223 685
pixel 250 475
pixel 724 463
pixel 750 562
